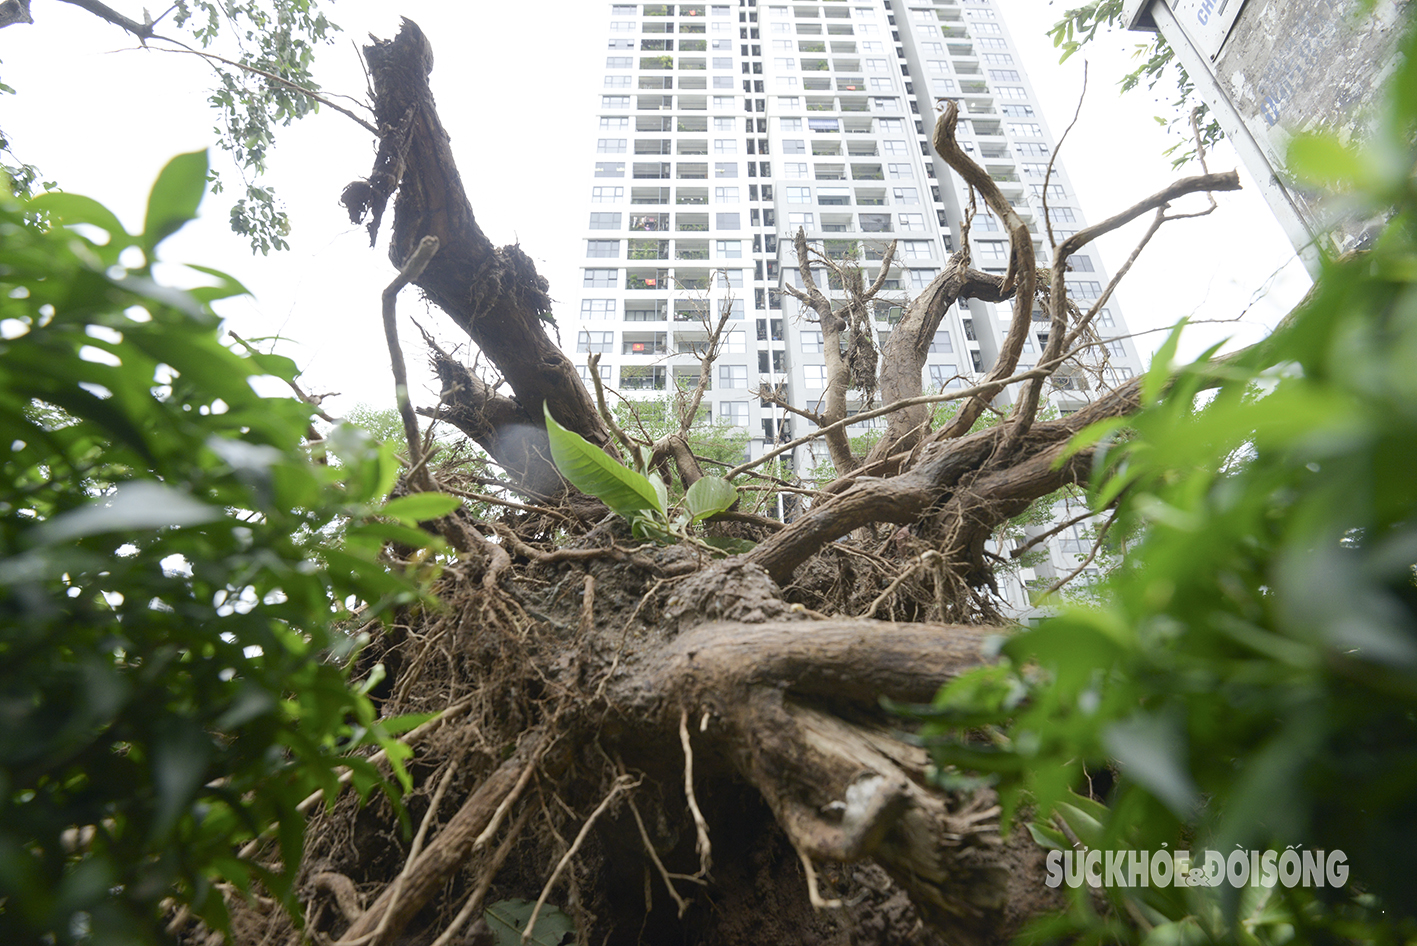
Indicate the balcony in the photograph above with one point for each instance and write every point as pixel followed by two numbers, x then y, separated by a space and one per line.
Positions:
pixel 649 222
pixel 640 343
pixel 642 378
pixel 649 249
pixel 652 280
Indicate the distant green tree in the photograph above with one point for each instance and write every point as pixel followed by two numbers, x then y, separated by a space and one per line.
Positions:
pixel 260 55
pixel 173 568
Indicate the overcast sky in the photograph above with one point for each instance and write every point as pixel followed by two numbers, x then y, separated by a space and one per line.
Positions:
pixel 516 84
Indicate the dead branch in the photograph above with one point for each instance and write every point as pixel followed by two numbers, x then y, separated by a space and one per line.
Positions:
pixel 422 256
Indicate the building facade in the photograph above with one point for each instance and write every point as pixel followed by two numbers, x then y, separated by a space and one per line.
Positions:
pixel 723 128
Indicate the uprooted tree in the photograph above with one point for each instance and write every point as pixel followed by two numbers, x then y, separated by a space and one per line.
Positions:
pixel 669 743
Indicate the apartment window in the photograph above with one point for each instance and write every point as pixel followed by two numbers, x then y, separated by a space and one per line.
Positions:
pixel 1085 289
pixel 1052 190
pixel 794 145
pixel 734 412
pixel 733 376
pixel 1025 129
pixel 735 343
pixel 1062 215
pixel 617 82
pixel 881 84
pixel 941 344
pixel 785 64
pixel 811 341
pixel 1004 75
pixel 619 9
pixel 1010 92
pixel 726 222
pixel 618 123
pixel 594 309
pixel 814 376
pixel 601 278
pixel 987 29
pixel 605 221
pixel 606 195
pixel 614 101
pixel 945 376
pixel 799 195
pixel 603 249
pixel 724 169
pixel 789 124
pixel 1080 264
pixel 721 45
pixel 912 221
pixel 800 220
pixel 622 26
pixel 916 249
pixel 791 169
pixel 893 147
pixel 991 250
pixel 720 82
pixel 732 279
pixel 900 172
pixel 946 87
pixel 595 342
pixel 722 62
pixel 932 49
pixel 1104 319
pixel 642 378
pixel 986 42
pixel 718 11
pixel 1031 149
pixel 906 195
pixel 920 278
pixel 584 371
pixel 986 221
pixel 1116 348
pixel 609 169
pixel 724 124
pixel 789 103
pixel 728 195
pixel 891 126
pixel 729 249
pixel 1017 111
pixel 619 62
pixel 882 104
pixel 622 44
pixel 610 146
pixel 722 101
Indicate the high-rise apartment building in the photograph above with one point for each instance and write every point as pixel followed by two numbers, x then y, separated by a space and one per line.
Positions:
pixel 724 127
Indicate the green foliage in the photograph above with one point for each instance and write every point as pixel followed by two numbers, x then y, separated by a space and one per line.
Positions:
pixel 172 568
pixel 1251 678
pixel 638 495
pixel 275 40
pixel 507 919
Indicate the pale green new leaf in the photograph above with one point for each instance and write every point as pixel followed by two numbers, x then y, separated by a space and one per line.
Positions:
pixel 591 470
pixel 710 495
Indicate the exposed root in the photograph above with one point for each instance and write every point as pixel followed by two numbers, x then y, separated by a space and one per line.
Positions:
pixel 813 894
pixel 622 783
pixel 701 843
pixel 679 901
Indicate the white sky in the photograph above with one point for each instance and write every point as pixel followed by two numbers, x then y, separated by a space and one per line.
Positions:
pixel 516 84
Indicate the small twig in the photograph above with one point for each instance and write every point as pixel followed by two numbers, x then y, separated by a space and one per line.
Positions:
pixel 1096 547
pixel 605 413
pixel 986 390
pixel 295 87
pixel 1037 539
pixel 622 783
pixel 411 270
pixel 510 504
pixel 1048 173
pixel 488 874
pixel 813 894
pixel 700 825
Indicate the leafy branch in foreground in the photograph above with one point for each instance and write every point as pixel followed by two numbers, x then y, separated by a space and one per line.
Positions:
pixel 1250 682
pixel 173 568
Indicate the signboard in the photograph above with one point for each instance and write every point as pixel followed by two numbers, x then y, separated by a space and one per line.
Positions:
pixel 1207 22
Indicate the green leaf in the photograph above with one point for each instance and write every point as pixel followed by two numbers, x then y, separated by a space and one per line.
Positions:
pixel 591 470
pixel 420 507
pixel 1160 371
pixel 134 506
pixel 174 198
pixel 70 209
pixel 710 495
pixel 1322 159
pixel 730 545
pixel 508 918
